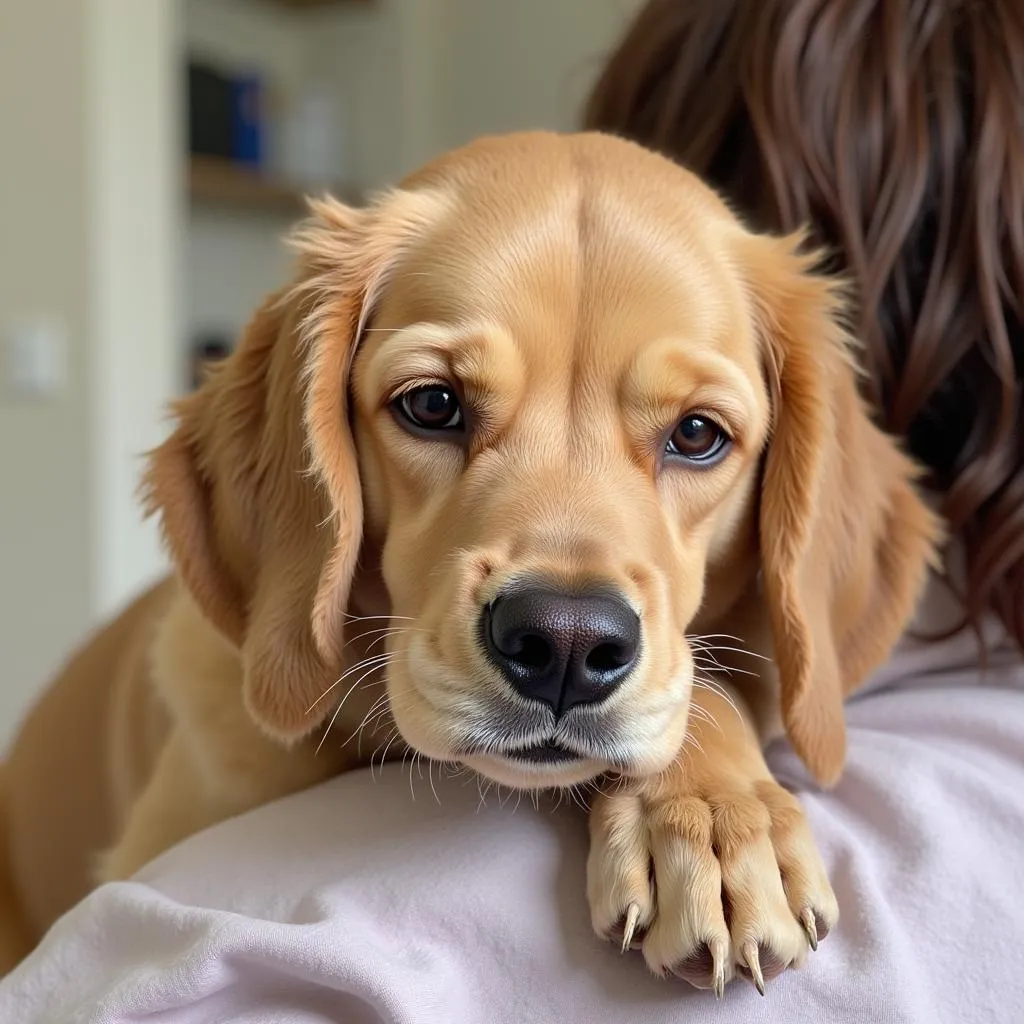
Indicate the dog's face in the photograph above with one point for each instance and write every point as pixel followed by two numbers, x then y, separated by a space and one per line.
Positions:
pixel 537 388
pixel 559 423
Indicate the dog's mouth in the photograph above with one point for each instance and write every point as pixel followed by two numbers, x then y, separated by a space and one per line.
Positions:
pixel 541 764
pixel 544 753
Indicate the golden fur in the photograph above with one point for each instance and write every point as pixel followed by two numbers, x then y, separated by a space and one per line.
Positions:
pixel 581 294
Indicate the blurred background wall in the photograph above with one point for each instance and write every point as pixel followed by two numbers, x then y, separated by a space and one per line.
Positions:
pixel 90 305
pixel 134 237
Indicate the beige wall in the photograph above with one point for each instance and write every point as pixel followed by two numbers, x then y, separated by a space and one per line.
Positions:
pixel 136 204
pixel 527 64
pixel 415 77
pixel 84 221
pixel 45 509
pixel 424 75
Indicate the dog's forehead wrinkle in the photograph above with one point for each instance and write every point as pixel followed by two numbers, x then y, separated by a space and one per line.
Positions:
pixel 574 273
pixel 572 233
pixel 493 239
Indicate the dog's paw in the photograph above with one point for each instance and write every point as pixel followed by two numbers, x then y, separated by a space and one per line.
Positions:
pixel 709 885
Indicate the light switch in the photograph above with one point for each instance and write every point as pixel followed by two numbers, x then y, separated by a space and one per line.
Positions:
pixel 36 357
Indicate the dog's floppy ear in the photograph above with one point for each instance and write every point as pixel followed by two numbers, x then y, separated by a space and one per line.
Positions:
pixel 845 539
pixel 258 487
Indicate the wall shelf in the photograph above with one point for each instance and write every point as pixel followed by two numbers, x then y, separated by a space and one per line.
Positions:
pixel 216 182
pixel 308 5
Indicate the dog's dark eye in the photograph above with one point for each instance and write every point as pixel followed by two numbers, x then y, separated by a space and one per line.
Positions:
pixel 698 439
pixel 431 408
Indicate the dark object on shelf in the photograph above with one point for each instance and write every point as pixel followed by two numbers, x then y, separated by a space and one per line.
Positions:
pixel 211 104
pixel 226 115
pixel 206 351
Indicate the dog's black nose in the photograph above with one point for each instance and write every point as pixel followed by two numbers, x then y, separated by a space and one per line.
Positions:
pixel 563 649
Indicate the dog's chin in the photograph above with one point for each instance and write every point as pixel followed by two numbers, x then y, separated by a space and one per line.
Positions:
pixel 538 768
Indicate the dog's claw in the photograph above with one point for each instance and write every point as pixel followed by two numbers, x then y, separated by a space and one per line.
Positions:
pixel 718 978
pixel 811 927
pixel 753 962
pixel 632 916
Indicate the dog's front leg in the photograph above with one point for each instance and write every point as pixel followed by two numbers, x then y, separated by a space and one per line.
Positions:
pixel 710 866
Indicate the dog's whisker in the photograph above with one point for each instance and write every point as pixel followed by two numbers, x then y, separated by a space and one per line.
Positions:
pixel 702 714
pixel 384 756
pixel 390 740
pixel 376 659
pixel 387 746
pixel 416 764
pixel 699 637
pixel 395 632
pixel 709 661
pixel 380 709
pixel 483 790
pixel 727 670
pixel 375 719
pixel 412 792
pixel 723 670
pixel 702 652
pixel 377 710
pixel 715 648
pixel 341 703
pixel 386 630
pixel 349 617
pixel 576 799
pixel 705 716
pixel 713 687
pixel 430 775
pixel 338 709
pixel 692 741
pixel 717 687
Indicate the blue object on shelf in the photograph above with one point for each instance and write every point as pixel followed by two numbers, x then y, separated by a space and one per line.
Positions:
pixel 248 122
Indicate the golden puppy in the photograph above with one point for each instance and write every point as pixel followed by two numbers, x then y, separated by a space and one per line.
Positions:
pixel 525 440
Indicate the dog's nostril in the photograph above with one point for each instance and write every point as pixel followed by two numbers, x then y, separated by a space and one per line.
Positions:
pixel 608 657
pixel 531 650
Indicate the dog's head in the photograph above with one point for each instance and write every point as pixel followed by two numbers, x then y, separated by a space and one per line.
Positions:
pixel 553 408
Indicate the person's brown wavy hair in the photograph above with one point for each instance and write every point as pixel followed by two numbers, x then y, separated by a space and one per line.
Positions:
pixel 895 128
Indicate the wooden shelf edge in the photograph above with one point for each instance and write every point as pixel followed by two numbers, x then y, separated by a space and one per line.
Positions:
pixel 216 182
pixel 309 5
pixel 318 4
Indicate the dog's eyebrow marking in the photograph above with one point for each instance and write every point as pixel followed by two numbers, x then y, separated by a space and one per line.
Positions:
pixel 480 355
pixel 665 380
